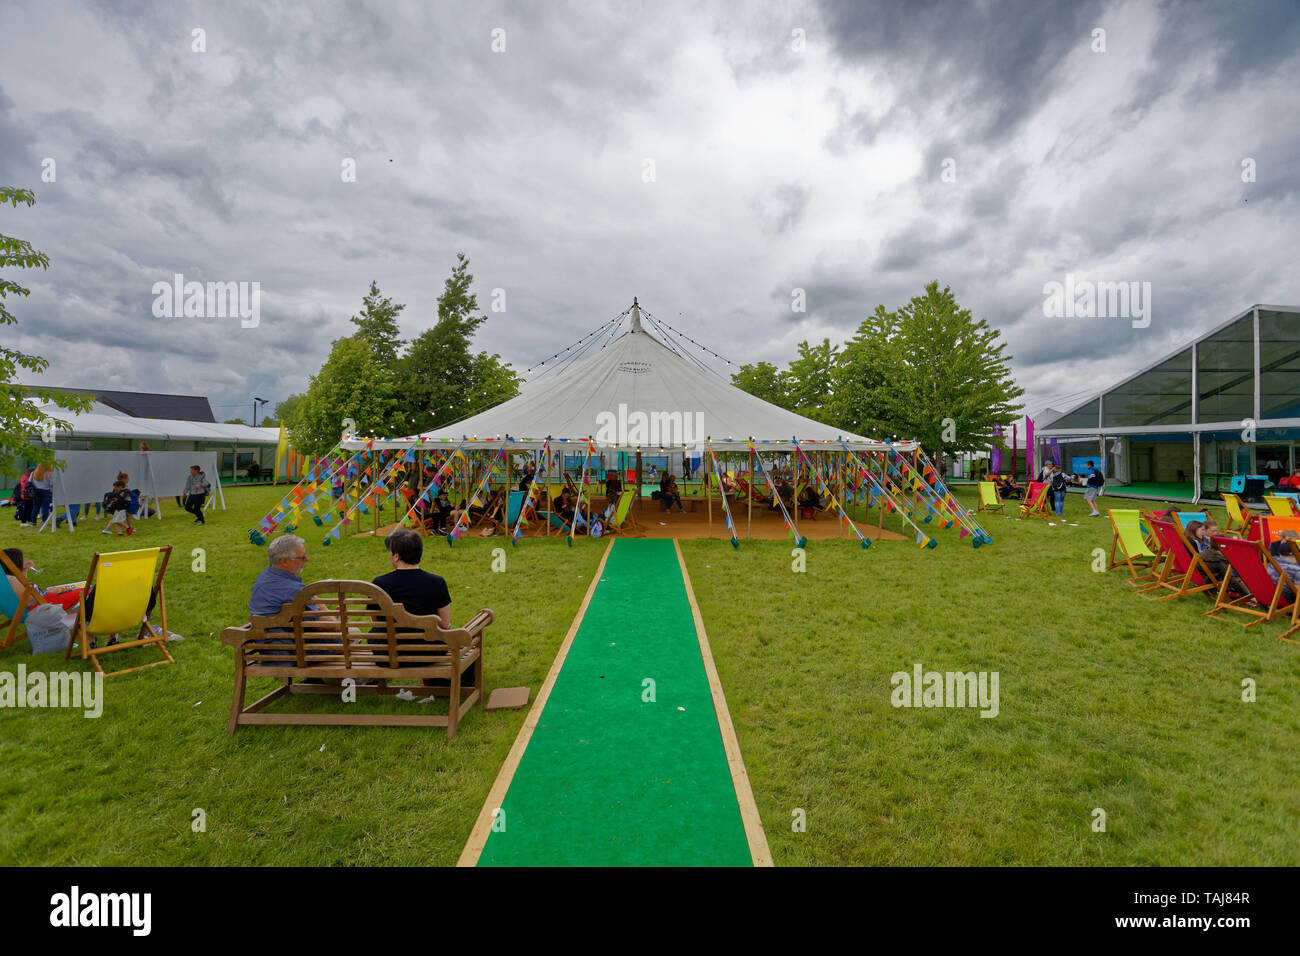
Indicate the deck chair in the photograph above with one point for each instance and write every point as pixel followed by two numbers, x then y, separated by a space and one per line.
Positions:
pixel 1277 505
pixel 1252 562
pixel 1035 505
pixel 1292 496
pixel 1184 518
pixel 1132 546
pixel 623 521
pixel 1237 520
pixel 1183 572
pixel 122 590
pixel 990 500
pixel 15 604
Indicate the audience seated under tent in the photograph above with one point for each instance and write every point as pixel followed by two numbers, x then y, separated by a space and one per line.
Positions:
pixel 1285 557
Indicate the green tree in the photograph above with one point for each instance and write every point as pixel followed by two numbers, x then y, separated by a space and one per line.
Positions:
pixel 353 384
pixel 439 379
pixel 764 380
pixel 20 418
pixel 927 371
pixel 377 325
pixel 811 381
pixel 287 410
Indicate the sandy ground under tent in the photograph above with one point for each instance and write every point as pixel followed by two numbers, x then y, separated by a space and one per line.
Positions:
pixel 767 525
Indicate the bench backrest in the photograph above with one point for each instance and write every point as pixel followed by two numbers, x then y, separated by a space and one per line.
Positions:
pixel 354 623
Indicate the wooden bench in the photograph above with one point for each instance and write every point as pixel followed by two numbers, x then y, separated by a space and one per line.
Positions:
pixel 339 629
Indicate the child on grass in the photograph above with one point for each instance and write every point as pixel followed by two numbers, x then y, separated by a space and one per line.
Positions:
pixel 117 503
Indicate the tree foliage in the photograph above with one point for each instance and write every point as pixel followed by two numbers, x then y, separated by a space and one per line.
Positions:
pixel 392 388
pixel 20 418
pixel 927 371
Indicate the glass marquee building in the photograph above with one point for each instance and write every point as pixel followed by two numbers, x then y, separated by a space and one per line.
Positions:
pixel 1226 404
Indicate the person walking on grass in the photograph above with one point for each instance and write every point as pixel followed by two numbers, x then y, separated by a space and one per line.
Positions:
pixel 1059 483
pixel 1095 482
pixel 117 504
pixel 196 492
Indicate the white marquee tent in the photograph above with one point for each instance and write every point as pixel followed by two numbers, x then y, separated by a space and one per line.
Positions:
pixel 636 393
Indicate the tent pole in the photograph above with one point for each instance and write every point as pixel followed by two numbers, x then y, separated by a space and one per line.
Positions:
pixel 638 483
pixel 708 487
pixel 749 499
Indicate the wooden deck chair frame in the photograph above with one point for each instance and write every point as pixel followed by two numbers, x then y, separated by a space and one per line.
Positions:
pixel 1270 598
pixel 1183 572
pixel 1143 565
pixel 1036 508
pixel 1295 610
pixel 148 634
pixel 989 499
pixel 16 629
pixel 1238 523
pixel 628 524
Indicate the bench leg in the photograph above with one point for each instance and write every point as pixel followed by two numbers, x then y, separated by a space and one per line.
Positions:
pixel 237 699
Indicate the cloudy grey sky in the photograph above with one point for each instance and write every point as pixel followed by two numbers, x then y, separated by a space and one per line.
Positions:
pixel 794 146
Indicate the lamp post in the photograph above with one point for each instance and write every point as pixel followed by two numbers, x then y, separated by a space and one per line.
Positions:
pixel 258 401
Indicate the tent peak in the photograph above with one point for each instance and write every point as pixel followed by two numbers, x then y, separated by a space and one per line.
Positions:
pixel 636 316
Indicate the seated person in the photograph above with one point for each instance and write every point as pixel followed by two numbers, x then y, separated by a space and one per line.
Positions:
pixel 566 507
pixel 417 591
pixel 668 493
pixel 526 479
pixel 1010 489
pixel 808 498
pixel 280 583
pixel 65 596
pixel 1285 557
pixel 254 471
pixel 728 484
pixel 493 511
pixel 613 488
pixel 438 517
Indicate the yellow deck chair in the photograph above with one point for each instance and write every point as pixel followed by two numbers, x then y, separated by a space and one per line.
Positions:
pixel 1238 523
pixel 122 590
pixel 1131 547
pixel 623 521
pixel 989 498
pixel 1279 506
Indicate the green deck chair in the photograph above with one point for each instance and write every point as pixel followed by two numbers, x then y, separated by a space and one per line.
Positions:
pixel 989 498
pixel 1130 547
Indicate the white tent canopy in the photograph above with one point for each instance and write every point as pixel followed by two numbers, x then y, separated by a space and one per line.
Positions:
pixel 94 424
pixel 635 394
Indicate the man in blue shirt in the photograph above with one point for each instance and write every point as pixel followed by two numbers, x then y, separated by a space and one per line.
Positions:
pixel 280 583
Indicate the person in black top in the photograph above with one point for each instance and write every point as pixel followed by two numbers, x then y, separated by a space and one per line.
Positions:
pixel 526 478
pixel 418 591
pixel 613 488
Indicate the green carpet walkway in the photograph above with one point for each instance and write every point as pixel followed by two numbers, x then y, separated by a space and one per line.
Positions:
pixel 611 779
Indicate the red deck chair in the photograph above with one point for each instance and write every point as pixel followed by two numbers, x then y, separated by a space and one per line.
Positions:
pixel 1183 572
pixel 1251 561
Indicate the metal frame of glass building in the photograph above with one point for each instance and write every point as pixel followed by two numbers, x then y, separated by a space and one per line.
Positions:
pixel 1225 404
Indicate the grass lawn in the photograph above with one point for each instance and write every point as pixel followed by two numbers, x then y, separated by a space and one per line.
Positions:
pixel 1106 700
